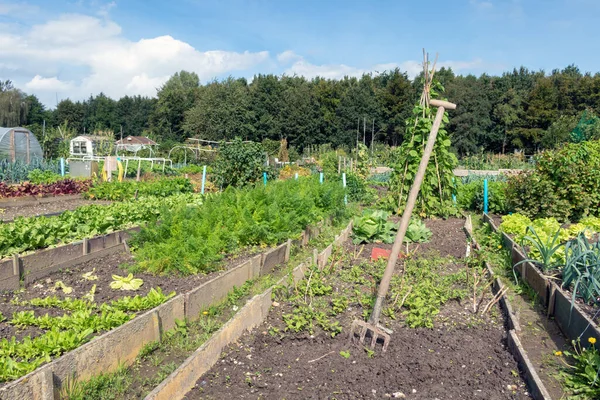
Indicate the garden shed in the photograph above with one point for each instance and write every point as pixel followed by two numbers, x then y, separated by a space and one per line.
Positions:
pixel 19 144
pixel 91 146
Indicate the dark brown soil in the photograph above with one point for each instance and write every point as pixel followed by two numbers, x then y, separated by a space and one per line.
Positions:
pixel 540 338
pixel 56 207
pixel 104 267
pixel 463 357
pixel 462 363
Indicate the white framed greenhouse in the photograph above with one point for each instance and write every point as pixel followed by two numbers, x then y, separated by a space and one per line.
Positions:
pixel 19 144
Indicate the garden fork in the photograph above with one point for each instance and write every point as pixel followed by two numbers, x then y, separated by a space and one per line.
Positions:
pixel 372 327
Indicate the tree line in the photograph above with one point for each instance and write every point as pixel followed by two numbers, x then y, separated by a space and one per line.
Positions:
pixel 521 109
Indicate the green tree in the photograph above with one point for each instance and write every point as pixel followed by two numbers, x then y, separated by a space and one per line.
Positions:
pixel 174 98
pixel 221 112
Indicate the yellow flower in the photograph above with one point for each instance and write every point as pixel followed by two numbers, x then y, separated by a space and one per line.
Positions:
pixel 558 353
pixel 592 340
pixel 499 246
pixel 205 312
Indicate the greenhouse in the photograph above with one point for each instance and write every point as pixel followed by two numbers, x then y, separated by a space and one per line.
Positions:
pixel 19 144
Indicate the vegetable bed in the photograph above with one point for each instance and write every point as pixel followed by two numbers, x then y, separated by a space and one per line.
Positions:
pixel 60 312
pixel 567 254
pixel 43 209
pixel 440 348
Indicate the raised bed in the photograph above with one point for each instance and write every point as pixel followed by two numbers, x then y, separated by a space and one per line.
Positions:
pixel 32 200
pixel 121 345
pixel 536 387
pixel 41 263
pixel 233 364
pixel 571 319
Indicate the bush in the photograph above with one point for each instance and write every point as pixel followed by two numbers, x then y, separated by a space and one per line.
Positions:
pixel 470 196
pixel 357 190
pixel 239 164
pixel 564 184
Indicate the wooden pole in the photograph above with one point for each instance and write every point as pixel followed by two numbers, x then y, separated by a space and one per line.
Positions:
pixel 406 215
pixel 364 132
pixel 357 132
pixel 372 136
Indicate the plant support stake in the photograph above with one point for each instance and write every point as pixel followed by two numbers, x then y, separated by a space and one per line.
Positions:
pixel 344 185
pixel 321 178
pixel 265 178
pixel 485 196
pixel 62 166
pixel 203 179
pixel 373 323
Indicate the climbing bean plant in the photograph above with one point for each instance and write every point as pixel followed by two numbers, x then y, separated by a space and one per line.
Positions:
pixel 435 197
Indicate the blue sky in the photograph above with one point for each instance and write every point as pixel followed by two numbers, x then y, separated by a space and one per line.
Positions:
pixel 59 49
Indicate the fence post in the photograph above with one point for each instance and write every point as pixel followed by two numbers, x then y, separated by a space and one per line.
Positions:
pixel 203 179
pixel 265 178
pixel 62 166
pixel 344 184
pixel 453 192
pixel 485 196
pixel 321 178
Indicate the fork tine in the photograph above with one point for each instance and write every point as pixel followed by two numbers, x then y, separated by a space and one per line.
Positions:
pixel 363 333
pixel 386 341
pixel 374 340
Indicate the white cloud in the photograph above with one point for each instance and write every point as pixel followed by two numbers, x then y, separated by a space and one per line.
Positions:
pixel 53 84
pixel 288 56
pixel 17 9
pixel 94 56
pixel 411 67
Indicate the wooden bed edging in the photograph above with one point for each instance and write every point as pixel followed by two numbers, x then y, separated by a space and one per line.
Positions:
pixel 120 346
pixel 536 387
pixel 184 378
pixel 33 200
pixel 43 262
pixel 572 321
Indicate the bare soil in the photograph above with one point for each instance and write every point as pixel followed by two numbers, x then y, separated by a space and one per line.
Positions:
pixel 463 357
pixel 104 267
pixel 540 338
pixel 53 208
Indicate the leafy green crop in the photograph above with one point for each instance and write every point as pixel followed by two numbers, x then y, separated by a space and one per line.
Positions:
pixel 33 233
pixel 192 240
pixel 126 282
pixel 373 226
pixel 582 268
pixel 66 332
pixel 37 176
pixel 417 232
pixel 127 190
